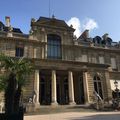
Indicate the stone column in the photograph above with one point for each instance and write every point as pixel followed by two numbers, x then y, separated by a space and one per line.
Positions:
pixel 86 90
pixel 71 88
pixel 36 89
pixel 108 96
pixel 54 88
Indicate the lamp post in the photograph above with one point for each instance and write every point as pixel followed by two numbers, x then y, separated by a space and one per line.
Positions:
pixel 116 88
pixel 117 101
pixel 116 85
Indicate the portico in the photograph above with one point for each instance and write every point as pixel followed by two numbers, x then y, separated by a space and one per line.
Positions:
pixel 60 87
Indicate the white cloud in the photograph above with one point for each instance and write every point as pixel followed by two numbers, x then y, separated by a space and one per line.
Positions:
pixel 88 23
pixel 75 22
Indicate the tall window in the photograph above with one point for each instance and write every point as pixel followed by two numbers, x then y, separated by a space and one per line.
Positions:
pixel 113 63
pixel 84 58
pixel 53 46
pixel 19 50
pixel 98 85
pixel 101 59
pixel 94 59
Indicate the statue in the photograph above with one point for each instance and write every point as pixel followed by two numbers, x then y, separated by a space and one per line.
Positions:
pixel 32 99
pixel 10 29
pixel 34 96
pixel 33 20
pixel 31 32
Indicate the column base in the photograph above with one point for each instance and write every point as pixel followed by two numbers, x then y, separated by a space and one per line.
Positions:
pixel 37 105
pixel 72 103
pixel 30 107
pixel 54 103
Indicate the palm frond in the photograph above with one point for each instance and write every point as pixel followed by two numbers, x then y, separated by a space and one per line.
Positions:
pixel 3 82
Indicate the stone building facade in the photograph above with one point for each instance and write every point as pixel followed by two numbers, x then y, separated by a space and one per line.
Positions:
pixel 67 70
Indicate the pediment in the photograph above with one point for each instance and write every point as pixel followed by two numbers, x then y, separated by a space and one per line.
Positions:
pixel 53 22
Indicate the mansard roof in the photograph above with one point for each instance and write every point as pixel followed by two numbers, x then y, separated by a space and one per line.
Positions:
pixel 53 22
pixel 6 29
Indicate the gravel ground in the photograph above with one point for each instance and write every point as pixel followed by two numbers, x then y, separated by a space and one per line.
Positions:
pixel 76 116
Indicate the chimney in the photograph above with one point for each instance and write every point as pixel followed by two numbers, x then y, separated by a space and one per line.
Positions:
pixel 7 20
pixel 85 34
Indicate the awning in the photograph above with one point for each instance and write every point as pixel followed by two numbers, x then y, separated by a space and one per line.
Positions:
pixel 113 85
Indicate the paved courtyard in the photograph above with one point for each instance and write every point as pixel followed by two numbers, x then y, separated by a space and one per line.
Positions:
pixel 76 116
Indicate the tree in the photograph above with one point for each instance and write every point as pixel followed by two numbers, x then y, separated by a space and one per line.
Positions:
pixel 13 79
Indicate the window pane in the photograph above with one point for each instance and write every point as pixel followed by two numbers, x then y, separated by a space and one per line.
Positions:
pixel 19 52
pixel 95 87
pixel 54 46
pixel 98 86
pixel 84 58
pixel 98 78
pixel 100 89
pixel 113 63
pixel 101 59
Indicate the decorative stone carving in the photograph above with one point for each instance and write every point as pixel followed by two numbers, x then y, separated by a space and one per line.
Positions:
pixel 31 32
pixel 10 29
pixel 33 20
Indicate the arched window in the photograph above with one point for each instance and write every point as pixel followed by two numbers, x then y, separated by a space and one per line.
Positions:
pixel 98 85
pixel 53 46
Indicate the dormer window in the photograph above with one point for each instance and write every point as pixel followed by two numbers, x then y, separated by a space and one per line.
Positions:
pixel 113 63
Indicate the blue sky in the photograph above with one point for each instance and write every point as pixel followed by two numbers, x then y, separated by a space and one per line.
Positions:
pixel 100 16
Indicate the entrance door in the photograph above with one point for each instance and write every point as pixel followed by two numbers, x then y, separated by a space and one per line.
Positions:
pixel 42 91
pixel 62 91
pixel 45 91
pixel 66 97
pixel 81 90
pixel 58 94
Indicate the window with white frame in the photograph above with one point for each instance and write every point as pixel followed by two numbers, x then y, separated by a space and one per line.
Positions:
pixel 94 59
pixel 84 58
pixel 113 63
pixel 101 60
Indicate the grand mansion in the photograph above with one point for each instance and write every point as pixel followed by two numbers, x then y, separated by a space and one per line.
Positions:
pixel 68 70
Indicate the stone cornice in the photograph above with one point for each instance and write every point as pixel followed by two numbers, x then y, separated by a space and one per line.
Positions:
pixel 67 64
pixel 23 40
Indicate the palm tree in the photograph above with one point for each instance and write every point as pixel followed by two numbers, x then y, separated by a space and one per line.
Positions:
pixel 13 80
